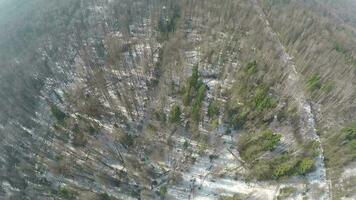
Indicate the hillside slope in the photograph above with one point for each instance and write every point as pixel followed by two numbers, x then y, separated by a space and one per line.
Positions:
pixel 151 99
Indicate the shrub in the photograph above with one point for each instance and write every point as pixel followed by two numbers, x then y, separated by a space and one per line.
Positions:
pixel 250 98
pixel 175 114
pixel 339 48
pixel 151 128
pixel 194 91
pixel 251 152
pixel 196 111
pixel 235 197
pixel 288 165
pixel 262 100
pixel 163 191
pixel 286 192
pixel 280 166
pixel 58 114
pixel 214 123
pixel 79 139
pixel 238 120
pixel 193 85
pixel 104 196
pixel 327 87
pixel 201 93
pixel 92 130
pixel 314 83
pixel 194 79
pixel 250 148
pixel 352 146
pixel 251 68
pixel 198 103
pixel 160 116
pixel 213 109
pixel 350 132
pixel 341 147
pixel 167 24
pixel 125 138
pixel 269 139
pixel 129 140
pixel 304 166
pixel 186 98
pixel 185 144
pixel 311 149
pixel 262 170
pixel 67 194
pixel 283 170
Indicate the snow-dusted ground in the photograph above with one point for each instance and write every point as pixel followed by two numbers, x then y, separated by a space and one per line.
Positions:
pixel 203 181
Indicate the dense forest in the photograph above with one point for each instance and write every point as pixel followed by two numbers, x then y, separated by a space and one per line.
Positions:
pixel 168 99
